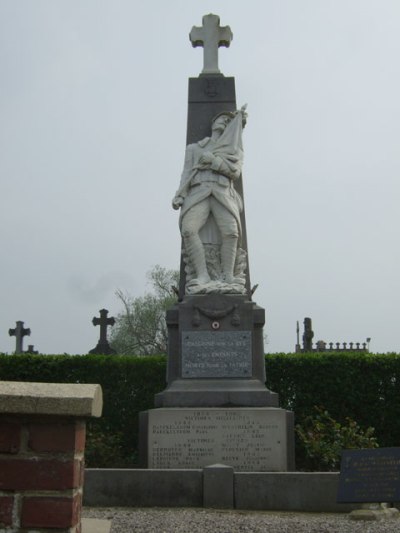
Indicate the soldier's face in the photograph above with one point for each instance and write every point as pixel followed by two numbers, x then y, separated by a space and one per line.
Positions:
pixel 220 123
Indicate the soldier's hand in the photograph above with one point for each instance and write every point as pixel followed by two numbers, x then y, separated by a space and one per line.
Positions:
pixel 206 158
pixel 177 202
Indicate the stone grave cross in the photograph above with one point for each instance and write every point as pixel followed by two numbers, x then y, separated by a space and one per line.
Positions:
pixel 211 36
pixel 19 333
pixel 102 346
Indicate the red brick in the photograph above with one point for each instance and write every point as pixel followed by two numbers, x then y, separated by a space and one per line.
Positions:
pixel 82 474
pixel 47 512
pixel 80 436
pixel 10 437
pixel 68 436
pixel 39 474
pixel 6 508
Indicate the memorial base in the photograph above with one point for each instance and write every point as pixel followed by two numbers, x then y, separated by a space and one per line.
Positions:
pixel 216 393
pixel 250 439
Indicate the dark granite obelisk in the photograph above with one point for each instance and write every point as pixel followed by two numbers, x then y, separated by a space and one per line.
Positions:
pixel 216 407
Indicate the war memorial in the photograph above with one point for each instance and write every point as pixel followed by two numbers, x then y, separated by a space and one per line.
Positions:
pixel 216 408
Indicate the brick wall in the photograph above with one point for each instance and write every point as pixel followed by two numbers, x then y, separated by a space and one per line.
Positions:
pixel 41 473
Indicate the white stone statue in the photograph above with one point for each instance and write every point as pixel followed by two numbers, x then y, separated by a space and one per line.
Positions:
pixel 210 209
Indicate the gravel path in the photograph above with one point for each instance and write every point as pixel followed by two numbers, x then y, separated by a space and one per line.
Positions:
pixel 156 520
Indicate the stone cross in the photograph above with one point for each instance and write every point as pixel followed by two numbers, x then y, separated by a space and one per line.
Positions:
pixel 19 333
pixel 211 36
pixel 102 346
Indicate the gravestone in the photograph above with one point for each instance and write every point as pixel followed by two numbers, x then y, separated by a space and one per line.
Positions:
pixel 19 332
pixel 103 348
pixel 31 350
pixel 216 408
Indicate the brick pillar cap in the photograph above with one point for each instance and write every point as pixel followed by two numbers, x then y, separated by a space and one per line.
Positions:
pixel 62 399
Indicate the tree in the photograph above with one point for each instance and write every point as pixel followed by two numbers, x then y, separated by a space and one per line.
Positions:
pixel 141 329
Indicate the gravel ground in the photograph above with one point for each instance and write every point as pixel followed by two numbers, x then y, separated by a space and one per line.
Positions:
pixel 156 520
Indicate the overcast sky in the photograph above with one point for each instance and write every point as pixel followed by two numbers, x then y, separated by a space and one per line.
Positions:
pixel 93 104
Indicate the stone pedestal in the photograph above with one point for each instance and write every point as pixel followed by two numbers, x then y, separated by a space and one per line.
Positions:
pixel 216 354
pixel 216 408
pixel 247 439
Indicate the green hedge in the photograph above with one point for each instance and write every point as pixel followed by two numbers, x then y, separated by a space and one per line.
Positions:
pixel 364 387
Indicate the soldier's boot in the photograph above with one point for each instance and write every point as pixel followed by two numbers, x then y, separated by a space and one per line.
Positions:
pixel 195 251
pixel 228 258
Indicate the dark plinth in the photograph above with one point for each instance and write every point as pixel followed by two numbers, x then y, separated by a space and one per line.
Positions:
pixel 216 354
pixel 370 476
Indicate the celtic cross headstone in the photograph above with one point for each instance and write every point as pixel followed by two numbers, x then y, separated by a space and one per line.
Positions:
pixel 19 332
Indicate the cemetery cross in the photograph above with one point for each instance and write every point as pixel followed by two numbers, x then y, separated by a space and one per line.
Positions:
pixel 102 346
pixel 19 333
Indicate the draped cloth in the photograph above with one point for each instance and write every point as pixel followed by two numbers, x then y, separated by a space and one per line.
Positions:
pixel 229 145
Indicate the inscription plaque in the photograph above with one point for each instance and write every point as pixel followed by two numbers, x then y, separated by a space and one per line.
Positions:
pixel 370 476
pixel 221 354
pixel 249 439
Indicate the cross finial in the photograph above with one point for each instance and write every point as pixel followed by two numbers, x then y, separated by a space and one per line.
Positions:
pixel 211 36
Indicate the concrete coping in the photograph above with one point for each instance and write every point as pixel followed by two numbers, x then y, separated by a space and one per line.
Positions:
pixel 62 399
